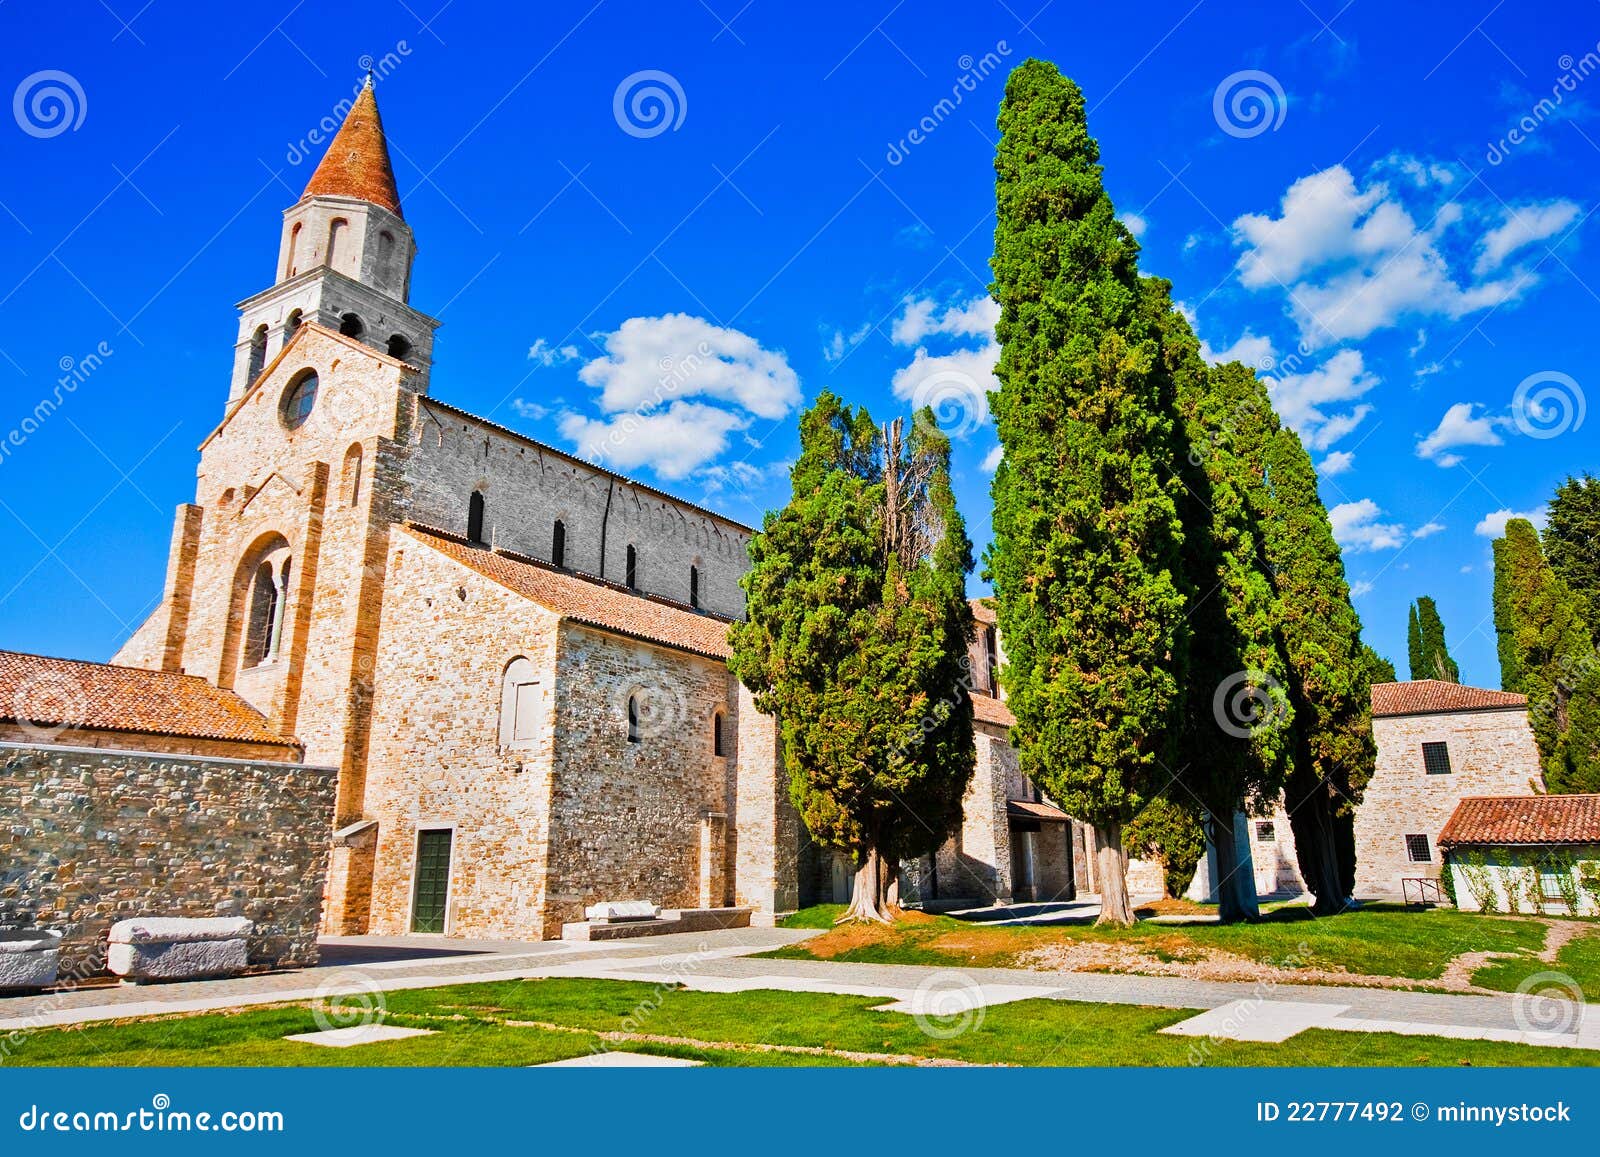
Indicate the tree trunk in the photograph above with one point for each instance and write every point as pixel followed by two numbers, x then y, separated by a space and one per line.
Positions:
pixel 1115 907
pixel 1316 849
pixel 869 896
pixel 1236 883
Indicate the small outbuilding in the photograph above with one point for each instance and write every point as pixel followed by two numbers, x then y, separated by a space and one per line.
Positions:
pixel 1534 853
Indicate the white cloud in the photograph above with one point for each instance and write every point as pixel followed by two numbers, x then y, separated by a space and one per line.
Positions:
pixel 673 442
pixel 1357 529
pixel 1358 589
pixel 1522 226
pixel 1134 223
pixel 956 381
pixel 840 344
pixel 1355 259
pixel 660 383
pixel 649 360
pixel 1339 462
pixel 531 410
pixel 1427 530
pixel 991 460
pixel 546 354
pixel 1310 402
pixel 1460 426
pixel 1493 524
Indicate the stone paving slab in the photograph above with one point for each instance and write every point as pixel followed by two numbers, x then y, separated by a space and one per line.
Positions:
pixel 357 1034
pixel 1271 1021
pixel 619 1060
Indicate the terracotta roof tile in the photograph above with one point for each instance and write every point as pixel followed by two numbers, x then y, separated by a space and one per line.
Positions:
pixel 1530 819
pixel 1024 809
pixel 357 161
pixel 1428 696
pixel 983 609
pixel 100 697
pixel 988 709
pixel 588 600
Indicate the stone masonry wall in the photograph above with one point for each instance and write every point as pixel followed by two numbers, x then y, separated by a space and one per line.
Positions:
pixel 95 836
pixel 435 759
pixel 527 487
pixel 138 741
pixel 1491 753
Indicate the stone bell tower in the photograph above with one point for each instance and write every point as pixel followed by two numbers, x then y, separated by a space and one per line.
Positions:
pixel 344 260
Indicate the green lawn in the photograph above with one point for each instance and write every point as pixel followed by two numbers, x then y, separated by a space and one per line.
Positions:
pixel 1378 940
pixel 1578 960
pixel 474 1028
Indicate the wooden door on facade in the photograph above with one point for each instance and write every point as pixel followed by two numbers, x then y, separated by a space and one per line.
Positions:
pixel 432 889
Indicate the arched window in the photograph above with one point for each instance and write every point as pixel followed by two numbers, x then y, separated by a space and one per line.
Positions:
pixel 258 353
pixel 991 652
pixel 475 516
pixel 290 264
pixel 633 568
pixel 519 704
pixel 558 544
pixel 399 347
pixel 694 586
pixel 352 475
pixel 633 717
pixel 350 325
pixel 291 325
pixel 263 614
pixel 299 399
pixel 717 747
pixel 337 229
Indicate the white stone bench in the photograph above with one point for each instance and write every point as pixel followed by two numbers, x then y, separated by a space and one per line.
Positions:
pixel 617 911
pixel 29 958
pixel 178 948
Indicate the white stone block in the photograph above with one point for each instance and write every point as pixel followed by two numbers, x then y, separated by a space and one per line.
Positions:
pixel 29 958
pixel 622 910
pixel 176 948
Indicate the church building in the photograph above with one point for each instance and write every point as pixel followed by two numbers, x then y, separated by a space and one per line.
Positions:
pixel 515 659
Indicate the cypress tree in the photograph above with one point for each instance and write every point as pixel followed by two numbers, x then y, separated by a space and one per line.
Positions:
pixel 1517 569
pixel 1379 669
pixel 1329 681
pixel 855 640
pixel 1573 541
pixel 1086 531
pixel 1435 654
pixel 1238 722
pixel 1555 659
pixel 1414 651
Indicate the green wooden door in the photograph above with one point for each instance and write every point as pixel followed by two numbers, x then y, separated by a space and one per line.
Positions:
pixel 433 881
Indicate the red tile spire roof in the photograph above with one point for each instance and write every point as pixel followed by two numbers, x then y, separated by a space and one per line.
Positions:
pixel 357 162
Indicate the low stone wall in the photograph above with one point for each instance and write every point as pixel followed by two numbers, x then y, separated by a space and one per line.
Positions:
pixel 89 836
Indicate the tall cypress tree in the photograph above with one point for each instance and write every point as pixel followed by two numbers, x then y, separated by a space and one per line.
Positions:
pixel 1414 651
pixel 1518 565
pixel 1087 539
pixel 1556 660
pixel 1329 681
pixel 1238 720
pixel 1379 669
pixel 1572 540
pixel 1436 662
pixel 855 638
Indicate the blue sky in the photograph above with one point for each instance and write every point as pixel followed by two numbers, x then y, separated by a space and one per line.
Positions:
pixel 1333 189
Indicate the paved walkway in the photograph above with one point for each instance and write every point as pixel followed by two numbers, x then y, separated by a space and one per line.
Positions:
pixel 721 961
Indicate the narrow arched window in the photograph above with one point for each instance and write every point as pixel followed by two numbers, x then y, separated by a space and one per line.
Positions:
pixel 991 652
pixel 716 735
pixel 258 353
pixel 633 718
pixel 475 516
pixel 633 569
pixel 694 586
pixel 399 347
pixel 352 475
pixel 291 325
pixel 290 265
pixel 337 229
pixel 558 544
pixel 263 616
pixel 350 325
pixel 519 704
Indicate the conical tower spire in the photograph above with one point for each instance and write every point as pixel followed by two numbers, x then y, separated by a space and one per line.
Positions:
pixel 357 162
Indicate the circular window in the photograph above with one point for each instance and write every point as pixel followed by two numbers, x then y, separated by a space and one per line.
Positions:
pixel 299 398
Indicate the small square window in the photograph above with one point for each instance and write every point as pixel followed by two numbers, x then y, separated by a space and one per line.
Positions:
pixel 1550 884
pixel 1418 851
pixel 1436 758
pixel 1266 833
